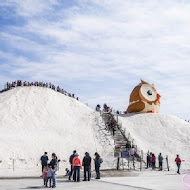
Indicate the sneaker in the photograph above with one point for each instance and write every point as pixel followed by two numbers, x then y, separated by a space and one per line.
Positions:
pixel 84 179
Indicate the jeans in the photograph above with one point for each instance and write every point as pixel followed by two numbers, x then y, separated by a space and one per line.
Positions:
pixel 76 174
pixel 88 170
pixel 48 179
pixel 178 168
pixel 53 179
pixel 71 173
pixel 97 168
pixel 45 181
pixel 160 165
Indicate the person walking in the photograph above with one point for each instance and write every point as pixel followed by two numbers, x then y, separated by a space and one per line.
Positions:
pixel 160 160
pixel 153 161
pixel 76 167
pixel 44 160
pixel 53 164
pixel 71 163
pixel 87 166
pixel 97 162
pixel 178 163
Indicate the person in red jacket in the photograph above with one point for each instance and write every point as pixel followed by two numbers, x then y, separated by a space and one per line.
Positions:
pixel 178 163
pixel 77 165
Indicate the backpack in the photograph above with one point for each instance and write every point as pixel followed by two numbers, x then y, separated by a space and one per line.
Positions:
pixel 101 160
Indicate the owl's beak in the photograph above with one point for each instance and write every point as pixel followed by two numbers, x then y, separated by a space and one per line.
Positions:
pixel 158 97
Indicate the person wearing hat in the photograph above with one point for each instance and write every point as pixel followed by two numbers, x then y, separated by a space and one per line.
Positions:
pixel 76 167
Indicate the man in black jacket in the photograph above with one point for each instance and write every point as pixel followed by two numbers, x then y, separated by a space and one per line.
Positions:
pixel 44 160
pixel 87 166
pixel 71 163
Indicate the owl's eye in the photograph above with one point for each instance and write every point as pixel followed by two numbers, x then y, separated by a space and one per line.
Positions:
pixel 148 93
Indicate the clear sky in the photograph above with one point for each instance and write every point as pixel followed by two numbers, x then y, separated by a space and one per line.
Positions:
pixel 99 49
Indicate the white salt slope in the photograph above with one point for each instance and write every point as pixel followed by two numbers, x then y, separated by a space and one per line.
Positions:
pixel 157 133
pixel 34 120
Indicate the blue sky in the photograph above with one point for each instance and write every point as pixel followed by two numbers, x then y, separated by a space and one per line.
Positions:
pixel 99 49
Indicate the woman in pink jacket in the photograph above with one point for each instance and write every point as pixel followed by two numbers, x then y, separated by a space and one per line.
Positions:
pixel 77 165
pixel 153 161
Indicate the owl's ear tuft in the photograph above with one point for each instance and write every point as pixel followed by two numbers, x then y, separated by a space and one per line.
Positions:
pixel 143 82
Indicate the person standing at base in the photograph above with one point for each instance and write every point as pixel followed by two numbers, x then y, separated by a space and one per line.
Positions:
pixel 71 163
pixel 44 176
pixel 153 161
pixel 53 164
pixel 147 161
pixel 160 160
pixel 44 160
pixel 87 166
pixel 76 167
pixel 97 163
pixel 178 163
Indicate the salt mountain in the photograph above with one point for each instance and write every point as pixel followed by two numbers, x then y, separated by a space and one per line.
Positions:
pixel 36 119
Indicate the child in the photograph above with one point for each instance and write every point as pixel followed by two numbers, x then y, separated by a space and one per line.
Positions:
pixel 44 175
pixel 49 175
pixel 67 172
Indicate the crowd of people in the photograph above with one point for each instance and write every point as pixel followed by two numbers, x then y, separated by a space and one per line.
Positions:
pixel 20 83
pixel 49 168
pixel 151 162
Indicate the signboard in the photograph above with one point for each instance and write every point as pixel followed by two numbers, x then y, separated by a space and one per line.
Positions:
pixel 117 154
pixel 117 147
pixel 125 155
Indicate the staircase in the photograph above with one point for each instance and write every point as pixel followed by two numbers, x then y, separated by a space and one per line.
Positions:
pixel 121 139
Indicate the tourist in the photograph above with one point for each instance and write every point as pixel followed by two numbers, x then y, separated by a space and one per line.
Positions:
pixel 153 161
pixel 53 164
pixel 87 166
pixel 76 167
pixel 67 172
pixel 178 163
pixel 44 160
pixel 71 163
pixel 97 162
pixel 49 175
pixel 147 161
pixel 160 160
pixel 44 175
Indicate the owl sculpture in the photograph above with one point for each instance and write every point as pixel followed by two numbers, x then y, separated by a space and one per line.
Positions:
pixel 144 99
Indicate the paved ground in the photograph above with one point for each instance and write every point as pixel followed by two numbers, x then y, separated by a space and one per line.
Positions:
pixel 148 180
pixel 62 184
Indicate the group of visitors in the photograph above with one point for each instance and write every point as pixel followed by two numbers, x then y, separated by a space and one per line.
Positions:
pixel 19 83
pixel 151 162
pixel 76 165
pixel 49 169
pixel 105 109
